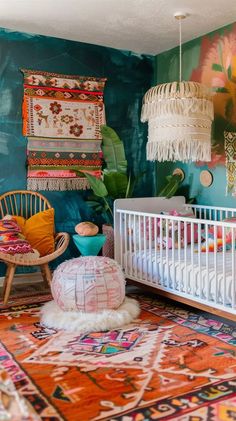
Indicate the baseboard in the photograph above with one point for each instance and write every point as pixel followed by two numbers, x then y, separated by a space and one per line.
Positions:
pixel 24 278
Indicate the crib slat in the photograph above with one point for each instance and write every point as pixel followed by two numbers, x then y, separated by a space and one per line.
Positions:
pixel 155 250
pixel 161 251
pixel 233 256
pixel 224 277
pixel 210 215
pixel 185 259
pixel 145 248
pixel 139 257
pixel 179 240
pixel 167 253
pixel 179 254
pixel 173 254
pixel 191 286
pixel 207 289
pixel 129 247
pixel 121 238
pixel 125 243
pixel 200 262
pixel 216 294
pixel 215 214
pixel 150 246
pixel 134 258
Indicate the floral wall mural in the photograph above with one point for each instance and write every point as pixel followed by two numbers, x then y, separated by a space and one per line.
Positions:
pixel 211 60
pixel 217 69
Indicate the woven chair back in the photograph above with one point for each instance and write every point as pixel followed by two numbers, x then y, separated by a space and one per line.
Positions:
pixel 22 203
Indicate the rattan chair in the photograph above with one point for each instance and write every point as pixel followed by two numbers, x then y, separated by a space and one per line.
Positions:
pixel 27 203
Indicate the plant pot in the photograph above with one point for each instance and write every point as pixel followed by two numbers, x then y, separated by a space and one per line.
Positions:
pixel 108 248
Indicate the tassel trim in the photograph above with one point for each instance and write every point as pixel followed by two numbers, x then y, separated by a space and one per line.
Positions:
pixel 179 150
pixel 57 184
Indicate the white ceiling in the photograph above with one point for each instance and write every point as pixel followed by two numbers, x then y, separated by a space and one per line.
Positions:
pixel 143 26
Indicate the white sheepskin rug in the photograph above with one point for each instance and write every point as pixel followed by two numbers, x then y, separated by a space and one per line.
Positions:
pixel 77 321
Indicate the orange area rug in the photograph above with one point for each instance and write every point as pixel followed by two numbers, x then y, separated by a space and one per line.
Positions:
pixel 171 363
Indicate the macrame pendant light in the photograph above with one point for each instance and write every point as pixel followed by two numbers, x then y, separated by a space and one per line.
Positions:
pixel 179 116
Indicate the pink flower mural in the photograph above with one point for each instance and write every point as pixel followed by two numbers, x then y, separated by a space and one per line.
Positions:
pixel 217 69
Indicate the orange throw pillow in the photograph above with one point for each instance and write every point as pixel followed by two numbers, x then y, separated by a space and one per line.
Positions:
pixel 20 220
pixel 39 231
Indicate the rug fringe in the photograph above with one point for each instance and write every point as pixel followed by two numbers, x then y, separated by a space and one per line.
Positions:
pixel 58 184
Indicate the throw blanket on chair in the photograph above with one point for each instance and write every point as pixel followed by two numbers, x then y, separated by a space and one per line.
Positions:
pixel 62 116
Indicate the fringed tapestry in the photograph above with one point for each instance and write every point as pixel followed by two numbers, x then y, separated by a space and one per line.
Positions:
pixel 230 151
pixel 62 116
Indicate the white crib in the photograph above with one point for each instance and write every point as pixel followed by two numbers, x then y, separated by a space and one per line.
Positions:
pixel 166 252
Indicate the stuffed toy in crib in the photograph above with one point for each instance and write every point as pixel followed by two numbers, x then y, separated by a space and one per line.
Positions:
pixel 167 240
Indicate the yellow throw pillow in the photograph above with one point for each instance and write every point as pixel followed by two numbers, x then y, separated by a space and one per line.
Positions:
pixel 39 231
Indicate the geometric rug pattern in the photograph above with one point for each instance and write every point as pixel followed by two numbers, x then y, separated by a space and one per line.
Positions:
pixel 171 363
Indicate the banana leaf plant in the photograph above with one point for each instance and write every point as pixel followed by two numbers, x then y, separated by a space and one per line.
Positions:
pixel 115 182
pixel 173 186
pixel 173 183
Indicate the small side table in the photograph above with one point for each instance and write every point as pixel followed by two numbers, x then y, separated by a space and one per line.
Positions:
pixel 89 246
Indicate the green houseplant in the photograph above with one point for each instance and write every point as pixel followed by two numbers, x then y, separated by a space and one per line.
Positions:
pixel 115 182
pixel 173 183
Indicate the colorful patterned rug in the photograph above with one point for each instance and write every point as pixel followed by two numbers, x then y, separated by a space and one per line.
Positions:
pixel 172 363
pixel 26 293
pixel 62 115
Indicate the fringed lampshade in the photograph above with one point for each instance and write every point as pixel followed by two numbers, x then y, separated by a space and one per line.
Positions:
pixel 179 116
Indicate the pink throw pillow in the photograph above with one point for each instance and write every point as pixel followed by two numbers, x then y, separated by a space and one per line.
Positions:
pixel 11 239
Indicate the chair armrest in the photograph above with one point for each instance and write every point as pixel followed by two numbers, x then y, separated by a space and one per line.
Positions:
pixel 61 240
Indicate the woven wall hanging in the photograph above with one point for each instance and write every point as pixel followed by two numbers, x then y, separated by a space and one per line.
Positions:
pixel 230 153
pixel 62 115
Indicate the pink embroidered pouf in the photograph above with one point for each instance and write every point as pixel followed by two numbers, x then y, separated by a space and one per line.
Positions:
pixel 89 295
pixel 88 284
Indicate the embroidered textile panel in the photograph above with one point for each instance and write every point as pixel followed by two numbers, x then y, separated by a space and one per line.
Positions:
pixel 62 116
pixel 230 152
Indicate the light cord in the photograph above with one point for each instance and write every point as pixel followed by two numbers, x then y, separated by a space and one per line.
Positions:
pixel 180 50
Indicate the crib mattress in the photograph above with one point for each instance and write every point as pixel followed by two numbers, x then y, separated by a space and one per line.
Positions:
pixel 184 273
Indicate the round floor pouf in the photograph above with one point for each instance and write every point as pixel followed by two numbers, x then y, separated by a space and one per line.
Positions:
pixel 89 294
pixel 89 284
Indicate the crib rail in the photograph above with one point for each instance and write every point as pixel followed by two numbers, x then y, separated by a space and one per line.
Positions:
pixel 212 213
pixel 193 258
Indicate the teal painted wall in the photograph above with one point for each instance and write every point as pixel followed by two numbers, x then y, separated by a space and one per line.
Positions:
pixel 129 76
pixel 167 70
